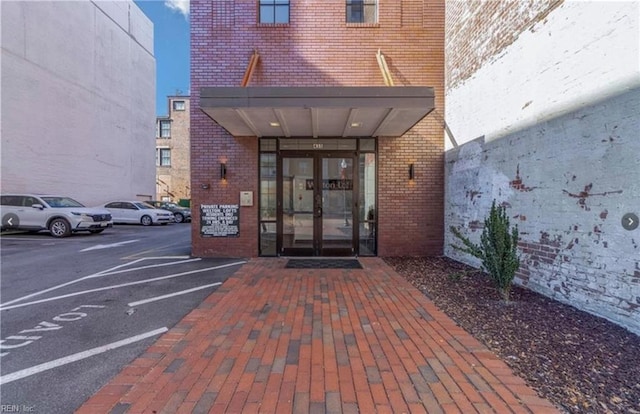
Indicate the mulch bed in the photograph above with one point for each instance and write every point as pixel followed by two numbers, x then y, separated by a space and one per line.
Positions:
pixel 579 362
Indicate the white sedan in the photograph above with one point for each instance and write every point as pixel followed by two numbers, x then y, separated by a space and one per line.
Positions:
pixel 137 212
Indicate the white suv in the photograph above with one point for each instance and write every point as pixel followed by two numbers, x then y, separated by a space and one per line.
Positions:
pixel 58 214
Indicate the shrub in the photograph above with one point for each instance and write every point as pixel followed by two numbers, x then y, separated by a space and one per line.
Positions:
pixel 497 249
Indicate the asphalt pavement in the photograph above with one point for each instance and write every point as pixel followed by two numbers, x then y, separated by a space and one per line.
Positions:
pixel 74 311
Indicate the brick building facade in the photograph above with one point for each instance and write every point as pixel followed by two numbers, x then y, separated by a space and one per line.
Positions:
pixel 173 151
pixel 543 98
pixel 320 48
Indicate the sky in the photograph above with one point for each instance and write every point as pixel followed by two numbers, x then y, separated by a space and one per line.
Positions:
pixel 171 48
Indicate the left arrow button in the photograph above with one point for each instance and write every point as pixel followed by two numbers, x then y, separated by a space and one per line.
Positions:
pixel 10 221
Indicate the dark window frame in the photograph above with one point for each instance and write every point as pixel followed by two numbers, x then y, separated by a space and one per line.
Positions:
pixel 175 108
pixel 356 11
pixel 364 145
pixel 160 158
pixel 161 130
pixel 273 6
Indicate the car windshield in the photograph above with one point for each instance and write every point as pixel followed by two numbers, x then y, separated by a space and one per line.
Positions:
pixel 173 205
pixel 144 206
pixel 59 202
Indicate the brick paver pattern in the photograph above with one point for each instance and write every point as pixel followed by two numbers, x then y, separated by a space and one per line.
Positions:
pixel 276 340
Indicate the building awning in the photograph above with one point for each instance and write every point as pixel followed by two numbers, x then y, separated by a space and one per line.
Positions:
pixel 317 111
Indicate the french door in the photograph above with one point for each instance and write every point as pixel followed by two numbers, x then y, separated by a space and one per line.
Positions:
pixel 316 204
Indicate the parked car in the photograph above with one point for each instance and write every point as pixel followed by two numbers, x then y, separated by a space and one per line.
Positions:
pixel 180 213
pixel 59 214
pixel 137 212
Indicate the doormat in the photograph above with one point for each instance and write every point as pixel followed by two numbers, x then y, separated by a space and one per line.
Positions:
pixel 323 264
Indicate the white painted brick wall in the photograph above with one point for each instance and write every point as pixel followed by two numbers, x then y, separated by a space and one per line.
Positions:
pixel 573 246
pixel 583 51
pixel 560 110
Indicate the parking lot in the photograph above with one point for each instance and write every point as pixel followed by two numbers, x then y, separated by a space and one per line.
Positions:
pixel 75 310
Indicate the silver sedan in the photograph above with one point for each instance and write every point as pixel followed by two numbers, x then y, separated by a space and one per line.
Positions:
pixel 137 212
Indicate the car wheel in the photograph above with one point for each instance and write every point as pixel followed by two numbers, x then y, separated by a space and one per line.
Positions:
pixel 59 228
pixel 97 231
pixel 146 221
pixel 179 217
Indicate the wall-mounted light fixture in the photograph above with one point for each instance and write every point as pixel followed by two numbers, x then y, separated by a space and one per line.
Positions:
pixel 204 186
pixel 223 171
pixel 411 172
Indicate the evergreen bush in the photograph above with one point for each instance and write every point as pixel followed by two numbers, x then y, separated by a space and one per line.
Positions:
pixel 497 249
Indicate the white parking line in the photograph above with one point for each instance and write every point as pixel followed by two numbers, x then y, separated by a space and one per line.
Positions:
pixel 170 295
pixel 27 372
pixel 117 267
pixel 108 246
pixel 139 282
pixel 108 272
pixel 67 283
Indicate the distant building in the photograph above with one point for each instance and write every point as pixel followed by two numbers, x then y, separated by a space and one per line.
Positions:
pixel 78 99
pixel 173 181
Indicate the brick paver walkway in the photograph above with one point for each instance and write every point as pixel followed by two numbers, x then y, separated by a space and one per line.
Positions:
pixel 276 340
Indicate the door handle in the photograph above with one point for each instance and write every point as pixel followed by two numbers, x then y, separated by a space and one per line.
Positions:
pixel 318 206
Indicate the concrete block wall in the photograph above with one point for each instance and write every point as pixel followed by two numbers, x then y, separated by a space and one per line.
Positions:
pixel 318 48
pixel 78 99
pixel 556 106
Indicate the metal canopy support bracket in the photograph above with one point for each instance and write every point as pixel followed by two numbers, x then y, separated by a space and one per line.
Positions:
pixel 282 120
pixel 250 68
pixel 385 121
pixel 445 126
pixel 247 120
pixel 315 126
pixel 353 112
pixel 384 69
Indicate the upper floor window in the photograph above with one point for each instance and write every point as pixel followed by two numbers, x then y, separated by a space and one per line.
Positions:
pixel 163 157
pixel 178 105
pixel 274 11
pixel 362 11
pixel 165 129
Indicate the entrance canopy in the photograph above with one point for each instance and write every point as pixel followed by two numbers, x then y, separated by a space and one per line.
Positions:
pixel 317 111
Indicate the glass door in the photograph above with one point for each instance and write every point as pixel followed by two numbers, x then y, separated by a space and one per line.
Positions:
pixel 336 199
pixel 317 199
pixel 298 224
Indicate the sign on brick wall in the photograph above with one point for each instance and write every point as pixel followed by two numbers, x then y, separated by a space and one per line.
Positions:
pixel 219 220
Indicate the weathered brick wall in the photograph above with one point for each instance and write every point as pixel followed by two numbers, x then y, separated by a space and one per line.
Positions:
pixel 478 31
pixel 317 48
pixel 578 53
pixel 557 102
pixel 566 183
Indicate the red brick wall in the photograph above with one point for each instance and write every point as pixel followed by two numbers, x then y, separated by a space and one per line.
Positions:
pixel 318 48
